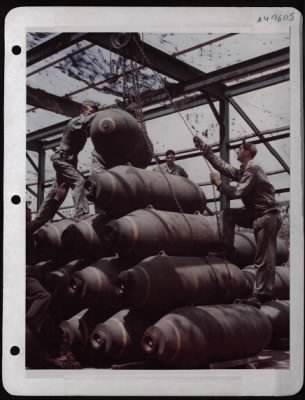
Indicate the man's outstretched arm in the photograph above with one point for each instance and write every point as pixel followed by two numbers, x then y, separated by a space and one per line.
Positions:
pixel 220 165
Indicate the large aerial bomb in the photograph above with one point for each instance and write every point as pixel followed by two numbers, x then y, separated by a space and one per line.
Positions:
pixel 58 279
pixel 95 284
pixel 117 136
pixel 120 336
pixel 85 239
pixel 48 239
pixel 161 283
pixel 143 233
pixel 245 249
pixel 77 329
pixel 194 337
pixel 123 189
pixel 278 313
pixel 71 331
pixel 281 283
pixel 41 269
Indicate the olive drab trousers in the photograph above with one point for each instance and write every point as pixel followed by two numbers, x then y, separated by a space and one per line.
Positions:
pixel 67 173
pixel 97 167
pixel 266 228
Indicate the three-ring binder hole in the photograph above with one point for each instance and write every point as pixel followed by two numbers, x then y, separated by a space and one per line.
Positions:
pixel 14 350
pixel 16 50
pixel 15 199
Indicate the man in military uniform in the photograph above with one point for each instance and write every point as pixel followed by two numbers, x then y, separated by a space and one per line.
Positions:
pixel 260 212
pixel 171 167
pixel 65 160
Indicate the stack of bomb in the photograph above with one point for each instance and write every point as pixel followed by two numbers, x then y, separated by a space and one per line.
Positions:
pixel 69 239
pixel 157 284
pixel 165 297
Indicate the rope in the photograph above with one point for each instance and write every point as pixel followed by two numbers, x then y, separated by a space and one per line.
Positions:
pixel 178 111
pixel 174 104
pixel 135 97
pixel 140 119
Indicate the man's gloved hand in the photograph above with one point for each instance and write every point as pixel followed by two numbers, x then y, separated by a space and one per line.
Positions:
pixel 215 179
pixel 200 144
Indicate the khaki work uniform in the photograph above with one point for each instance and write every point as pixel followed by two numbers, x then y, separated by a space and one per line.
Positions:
pixel 65 164
pixel 260 212
pixel 177 170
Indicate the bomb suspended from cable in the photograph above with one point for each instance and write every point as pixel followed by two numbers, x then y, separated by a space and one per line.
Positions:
pixel 161 283
pixel 195 337
pixel 118 138
pixel 123 189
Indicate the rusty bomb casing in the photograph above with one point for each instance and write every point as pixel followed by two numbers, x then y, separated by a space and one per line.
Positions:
pixel 161 283
pixel 123 189
pixel 144 233
pixel 48 239
pixel 120 336
pixel 194 337
pixel 278 313
pixel 117 137
pixel 95 284
pixel 85 239
pixel 281 283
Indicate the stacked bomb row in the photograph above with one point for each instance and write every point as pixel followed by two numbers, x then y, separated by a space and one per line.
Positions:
pixel 122 302
pixel 121 322
pixel 136 232
pixel 135 313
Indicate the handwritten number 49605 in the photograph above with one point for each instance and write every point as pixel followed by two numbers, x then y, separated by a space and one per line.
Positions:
pixel 277 18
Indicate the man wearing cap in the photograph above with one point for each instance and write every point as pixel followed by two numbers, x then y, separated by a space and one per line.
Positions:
pixel 65 160
pixel 171 167
pixel 260 212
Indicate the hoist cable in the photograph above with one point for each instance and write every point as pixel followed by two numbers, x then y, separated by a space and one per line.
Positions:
pixel 161 80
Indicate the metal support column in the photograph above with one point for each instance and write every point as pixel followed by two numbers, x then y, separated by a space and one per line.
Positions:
pixel 224 130
pixel 41 177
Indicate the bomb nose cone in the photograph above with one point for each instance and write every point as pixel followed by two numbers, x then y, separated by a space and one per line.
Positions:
pixel 75 286
pixel 106 125
pixel 90 188
pixel 111 233
pixel 124 285
pixel 97 342
pixel 149 344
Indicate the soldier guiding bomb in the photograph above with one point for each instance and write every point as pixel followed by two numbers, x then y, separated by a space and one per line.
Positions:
pixel 65 160
pixel 260 212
